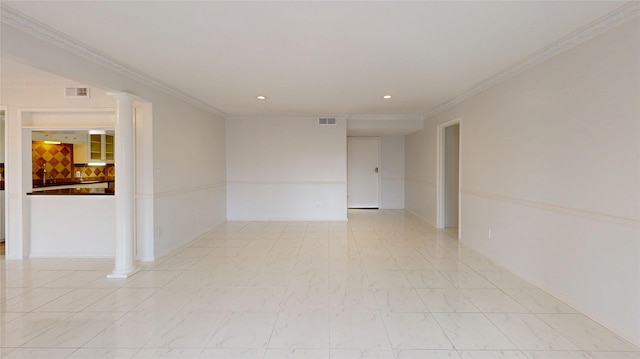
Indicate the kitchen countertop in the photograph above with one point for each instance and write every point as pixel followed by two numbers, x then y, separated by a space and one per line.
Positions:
pixel 74 192
pixel 71 181
pixel 52 190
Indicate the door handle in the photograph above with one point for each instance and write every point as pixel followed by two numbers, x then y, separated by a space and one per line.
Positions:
pixel 377 170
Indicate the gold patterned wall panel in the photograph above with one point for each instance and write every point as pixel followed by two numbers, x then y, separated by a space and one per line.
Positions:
pixel 57 160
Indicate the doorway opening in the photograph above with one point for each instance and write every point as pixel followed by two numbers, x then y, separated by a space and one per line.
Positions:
pixel 2 176
pixel 448 186
pixel 363 172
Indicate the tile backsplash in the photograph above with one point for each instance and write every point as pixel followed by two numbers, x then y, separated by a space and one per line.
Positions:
pixel 57 160
pixel 95 171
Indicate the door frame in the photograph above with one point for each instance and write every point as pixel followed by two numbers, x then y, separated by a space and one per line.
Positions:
pixel 440 182
pixel 379 167
pixel 3 143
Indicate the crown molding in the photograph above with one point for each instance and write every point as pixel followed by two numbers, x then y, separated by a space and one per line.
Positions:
pixel 285 117
pixel 32 27
pixel 385 117
pixel 41 83
pixel 613 19
pixel 357 117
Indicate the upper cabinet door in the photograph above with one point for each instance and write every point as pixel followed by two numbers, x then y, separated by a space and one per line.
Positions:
pixel 101 148
pixel 95 148
pixel 109 149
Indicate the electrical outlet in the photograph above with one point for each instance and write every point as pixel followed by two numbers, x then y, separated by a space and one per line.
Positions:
pixel 78 174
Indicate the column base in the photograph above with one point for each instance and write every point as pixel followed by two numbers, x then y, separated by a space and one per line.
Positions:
pixel 123 274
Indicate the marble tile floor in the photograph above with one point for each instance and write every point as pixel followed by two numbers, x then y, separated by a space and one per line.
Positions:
pixel 383 285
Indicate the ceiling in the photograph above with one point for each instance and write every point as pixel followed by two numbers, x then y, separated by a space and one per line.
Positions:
pixel 312 58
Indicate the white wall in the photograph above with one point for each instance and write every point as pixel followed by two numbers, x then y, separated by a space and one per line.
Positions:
pixel 286 169
pixel 420 176
pixel 188 195
pixel 190 174
pixel 550 163
pixel 392 172
pixel 72 226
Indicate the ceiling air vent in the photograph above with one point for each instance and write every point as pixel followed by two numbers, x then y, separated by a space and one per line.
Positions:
pixel 327 121
pixel 76 92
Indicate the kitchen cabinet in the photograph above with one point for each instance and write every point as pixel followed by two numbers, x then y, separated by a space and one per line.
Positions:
pixel 99 148
pixel 109 148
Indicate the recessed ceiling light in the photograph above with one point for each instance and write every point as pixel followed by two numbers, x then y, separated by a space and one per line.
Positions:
pixel 386 97
pixel 260 97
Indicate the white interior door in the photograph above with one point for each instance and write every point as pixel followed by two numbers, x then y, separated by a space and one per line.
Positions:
pixel 363 172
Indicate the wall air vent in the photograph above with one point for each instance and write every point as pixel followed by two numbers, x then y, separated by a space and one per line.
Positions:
pixel 327 121
pixel 76 92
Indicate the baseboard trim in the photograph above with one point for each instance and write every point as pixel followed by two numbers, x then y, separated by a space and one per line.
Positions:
pixel 336 219
pixel 182 243
pixel 560 297
pixel 419 216
pixel 69 255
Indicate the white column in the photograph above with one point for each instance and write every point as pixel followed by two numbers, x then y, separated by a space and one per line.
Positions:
pixel 16 219
pixel 124 187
